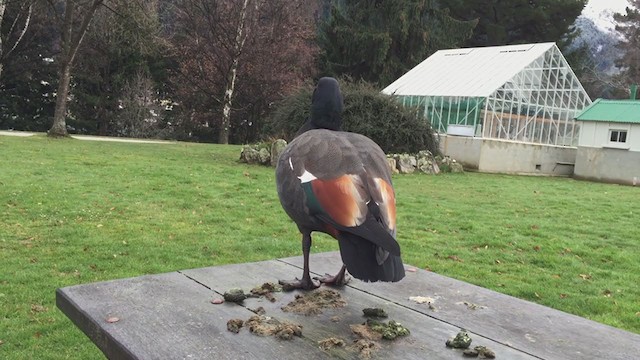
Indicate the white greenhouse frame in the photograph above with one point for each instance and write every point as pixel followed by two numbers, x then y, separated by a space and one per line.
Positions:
pixel 526 93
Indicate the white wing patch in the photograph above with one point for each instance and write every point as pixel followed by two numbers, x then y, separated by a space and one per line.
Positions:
pixel 290 164
pixel 306 177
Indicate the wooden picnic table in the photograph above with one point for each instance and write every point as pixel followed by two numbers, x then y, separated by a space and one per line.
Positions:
pixel 170 316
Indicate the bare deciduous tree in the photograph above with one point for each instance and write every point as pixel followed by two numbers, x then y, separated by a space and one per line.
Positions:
pixel 231 50
pixel 10 40
pixel 76 19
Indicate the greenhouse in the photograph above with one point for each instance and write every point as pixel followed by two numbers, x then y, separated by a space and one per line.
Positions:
pixel 525 93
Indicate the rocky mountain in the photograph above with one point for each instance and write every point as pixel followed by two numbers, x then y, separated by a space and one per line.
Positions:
pixel 601 43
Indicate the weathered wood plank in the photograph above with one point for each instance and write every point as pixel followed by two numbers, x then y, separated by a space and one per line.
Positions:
pixel 428 335
pixel 523 325
pixel 165 316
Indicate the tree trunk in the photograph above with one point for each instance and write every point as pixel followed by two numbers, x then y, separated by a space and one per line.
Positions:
pixel 59 128
pixel 241 36
pixel 70 44
pixel 223 136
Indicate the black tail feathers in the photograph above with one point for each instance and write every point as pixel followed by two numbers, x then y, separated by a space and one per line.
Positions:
pixel 359 255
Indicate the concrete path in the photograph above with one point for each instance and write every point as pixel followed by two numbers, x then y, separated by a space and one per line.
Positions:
pixel 15 133
pixel 90 137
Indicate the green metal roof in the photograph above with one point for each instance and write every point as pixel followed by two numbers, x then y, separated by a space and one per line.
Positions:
pixel 625 111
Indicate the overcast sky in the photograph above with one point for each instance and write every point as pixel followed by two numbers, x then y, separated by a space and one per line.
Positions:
pixel 594 10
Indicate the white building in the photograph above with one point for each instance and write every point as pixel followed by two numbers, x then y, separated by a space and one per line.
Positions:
pixel 504 109
pixel 609 143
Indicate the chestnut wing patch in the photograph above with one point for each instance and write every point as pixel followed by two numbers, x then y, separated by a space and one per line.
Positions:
pixel 343 199
pixel 385 197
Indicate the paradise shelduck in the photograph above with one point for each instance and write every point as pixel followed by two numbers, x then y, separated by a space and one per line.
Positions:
pixel 339 183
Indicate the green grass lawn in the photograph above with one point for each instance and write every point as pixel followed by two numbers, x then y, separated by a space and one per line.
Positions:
pixel 75 212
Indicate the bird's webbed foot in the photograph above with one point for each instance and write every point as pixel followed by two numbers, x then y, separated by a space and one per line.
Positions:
pixel 305 284
pixel 340 279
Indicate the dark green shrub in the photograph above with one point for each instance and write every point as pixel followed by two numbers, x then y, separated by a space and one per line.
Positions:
pixel 367 111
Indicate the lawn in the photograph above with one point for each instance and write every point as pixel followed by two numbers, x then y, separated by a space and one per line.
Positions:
pixel 74 212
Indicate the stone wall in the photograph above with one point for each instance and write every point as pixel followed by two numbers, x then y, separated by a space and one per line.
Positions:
pixel 267 153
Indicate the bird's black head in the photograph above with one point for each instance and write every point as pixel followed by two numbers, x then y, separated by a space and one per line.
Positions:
pixel 326 105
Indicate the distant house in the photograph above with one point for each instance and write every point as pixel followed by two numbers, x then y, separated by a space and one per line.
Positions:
pixel 504 109
pixel 609 142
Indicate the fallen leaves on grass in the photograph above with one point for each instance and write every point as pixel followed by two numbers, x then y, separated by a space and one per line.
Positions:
pixel 454 258
pixel 37 308
pixel 585 276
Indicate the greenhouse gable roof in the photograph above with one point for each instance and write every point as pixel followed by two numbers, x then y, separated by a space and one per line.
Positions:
pixel 624 111
pixel 469 72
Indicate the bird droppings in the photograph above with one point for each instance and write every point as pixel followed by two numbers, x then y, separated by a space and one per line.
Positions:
pixel 365 332
pixel 374 312
pixel 330 343
pixel 481 351
pixel 471 305
pixel 422 299
pixel 234 325
pixel 313 302
pixel 461 341
pixel 235 295
pixel 389 330
pixel 365 348
pixel 267 326
pixel 267 289
pixel 259 310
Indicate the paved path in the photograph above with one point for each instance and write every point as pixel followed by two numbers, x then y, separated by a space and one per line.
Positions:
pixel 90 137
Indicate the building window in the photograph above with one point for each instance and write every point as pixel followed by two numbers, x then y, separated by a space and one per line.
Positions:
pixel 619 136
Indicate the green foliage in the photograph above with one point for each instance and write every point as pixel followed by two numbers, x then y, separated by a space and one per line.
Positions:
pixel 378 41
pixel 28 77
pixel 66 220
pixel 629 27
pixel 26 94
pixel 380 117
pixel 113 88
pixel 518 21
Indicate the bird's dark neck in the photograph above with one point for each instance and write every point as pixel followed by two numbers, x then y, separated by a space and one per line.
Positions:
pixel 327 124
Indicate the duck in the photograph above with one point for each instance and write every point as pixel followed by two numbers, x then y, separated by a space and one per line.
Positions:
pixel 339 183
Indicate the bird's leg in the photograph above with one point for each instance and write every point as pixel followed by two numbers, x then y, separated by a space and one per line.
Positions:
pixel 339 279
pixel 306 283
